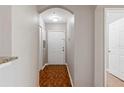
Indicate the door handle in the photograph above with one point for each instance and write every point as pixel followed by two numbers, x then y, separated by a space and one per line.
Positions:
pixel 109 51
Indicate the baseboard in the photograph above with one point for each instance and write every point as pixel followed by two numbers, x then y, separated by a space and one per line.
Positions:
pixel 69 74
pixel 44 66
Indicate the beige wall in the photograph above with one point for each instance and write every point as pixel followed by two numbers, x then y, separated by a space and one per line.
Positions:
pixel 99 47
pixel 84 46
pixel 5 30
pixel 83 71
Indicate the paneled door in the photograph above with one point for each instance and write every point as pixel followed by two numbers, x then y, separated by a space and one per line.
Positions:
pixel 56 47
pixel 116 48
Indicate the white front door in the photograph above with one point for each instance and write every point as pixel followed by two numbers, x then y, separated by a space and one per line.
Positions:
pixel 56 47
pixel 116 48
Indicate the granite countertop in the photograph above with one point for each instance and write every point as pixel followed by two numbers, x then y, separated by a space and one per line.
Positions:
pixel 7 59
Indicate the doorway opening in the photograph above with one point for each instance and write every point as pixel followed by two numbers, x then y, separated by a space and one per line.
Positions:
pixel 56 40
pixel 114 47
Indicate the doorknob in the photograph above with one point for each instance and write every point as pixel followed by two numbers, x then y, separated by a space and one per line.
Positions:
pixel 109 51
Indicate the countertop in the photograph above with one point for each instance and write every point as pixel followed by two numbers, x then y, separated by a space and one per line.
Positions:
pixel 7 59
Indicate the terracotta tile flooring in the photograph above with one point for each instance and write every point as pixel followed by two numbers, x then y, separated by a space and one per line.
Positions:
pixel 113 81
pixel 54 76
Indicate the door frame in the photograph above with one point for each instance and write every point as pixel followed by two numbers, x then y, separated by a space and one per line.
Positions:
pixel 40 58
pixel 106 41
pixel 64 42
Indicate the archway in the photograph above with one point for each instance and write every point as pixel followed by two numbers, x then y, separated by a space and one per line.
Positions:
pixel 56 37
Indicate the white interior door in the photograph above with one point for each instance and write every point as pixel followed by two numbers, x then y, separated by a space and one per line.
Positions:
pixel 116 47
pixel 113 49
pixel 56 47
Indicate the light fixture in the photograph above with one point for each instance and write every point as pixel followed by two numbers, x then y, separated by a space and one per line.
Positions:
pixel 55 20
pixel 54 17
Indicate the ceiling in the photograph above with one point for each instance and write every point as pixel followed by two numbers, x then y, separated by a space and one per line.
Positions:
pixel 61 14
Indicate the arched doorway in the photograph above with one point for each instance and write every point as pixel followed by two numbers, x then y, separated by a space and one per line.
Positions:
pixel 56 37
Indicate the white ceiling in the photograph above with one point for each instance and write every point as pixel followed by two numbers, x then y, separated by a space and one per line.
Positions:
pixel 63 14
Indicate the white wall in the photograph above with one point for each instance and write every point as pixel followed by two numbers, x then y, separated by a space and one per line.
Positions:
pixel 70 45
pixel 84 43
pixel 5 30
pixel 8 74
pixel 25 44
pixel 99 44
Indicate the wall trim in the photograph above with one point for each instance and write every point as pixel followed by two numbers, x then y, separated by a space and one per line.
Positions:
pixel 44 66
pixel 69 74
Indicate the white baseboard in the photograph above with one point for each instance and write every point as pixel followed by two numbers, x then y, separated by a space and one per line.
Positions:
pixel 69 75
pixel 44 66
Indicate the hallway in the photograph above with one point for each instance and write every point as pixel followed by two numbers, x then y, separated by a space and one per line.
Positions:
pixel 56 35
pixel 54 76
